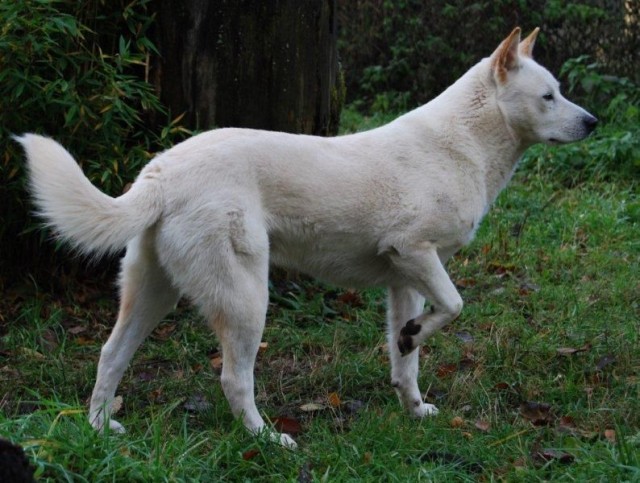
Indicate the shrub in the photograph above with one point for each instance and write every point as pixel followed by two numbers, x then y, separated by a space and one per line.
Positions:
pixel 401 53
pixel 80 84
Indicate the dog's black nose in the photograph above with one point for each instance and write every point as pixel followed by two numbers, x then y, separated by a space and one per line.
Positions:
pixel 590 122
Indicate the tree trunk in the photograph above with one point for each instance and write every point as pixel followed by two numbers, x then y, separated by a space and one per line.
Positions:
pixel 250 63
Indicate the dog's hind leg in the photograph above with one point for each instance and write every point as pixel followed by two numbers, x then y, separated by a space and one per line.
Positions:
pixel 405 304
pixel 239 324
pixel 146 296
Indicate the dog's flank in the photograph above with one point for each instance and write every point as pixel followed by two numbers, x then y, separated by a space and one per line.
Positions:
pixel 385 207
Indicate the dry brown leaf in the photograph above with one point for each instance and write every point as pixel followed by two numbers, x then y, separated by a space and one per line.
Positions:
pixel 457 422
pixel 334 399
pixel 216 362
pixel 116 404
pixel 262 347
pixel 610 434
pixel 250 454
pixel 84 340
pixel 351 298
pixel 466 282
pixel 568 351
pixel 547 454
pixel 538 413
pixel 482 425
pixel 287 425
pixel 445 370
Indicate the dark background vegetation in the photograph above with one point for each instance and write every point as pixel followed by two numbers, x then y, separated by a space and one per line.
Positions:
pixel 90 75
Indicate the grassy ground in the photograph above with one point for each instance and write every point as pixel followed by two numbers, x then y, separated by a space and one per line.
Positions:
pixel 537 380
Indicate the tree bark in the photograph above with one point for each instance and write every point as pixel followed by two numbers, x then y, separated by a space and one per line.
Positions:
pixel 250 63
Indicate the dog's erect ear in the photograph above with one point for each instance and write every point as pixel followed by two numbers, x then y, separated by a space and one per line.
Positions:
pixel 526 46
pixel 505 57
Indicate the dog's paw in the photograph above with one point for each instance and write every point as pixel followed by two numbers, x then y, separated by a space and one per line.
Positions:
pixel 424 409
pixel 406 343
pixel 114 426
pixel 287 441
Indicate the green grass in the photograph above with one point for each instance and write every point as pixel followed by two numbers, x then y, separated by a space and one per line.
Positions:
pixel 555 266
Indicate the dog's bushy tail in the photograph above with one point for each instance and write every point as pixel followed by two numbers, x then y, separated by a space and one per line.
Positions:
pixel 76 210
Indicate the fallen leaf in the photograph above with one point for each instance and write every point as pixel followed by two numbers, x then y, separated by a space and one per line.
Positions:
pixel 434 394
pixel 500 268
pixel 445 370
pixel 466 363
pixel 146 377
pixel 197 404
pixel 610 434
pixel 116 404
pixel 334 399
pixel 605 361
pixel 164 331
pixel 538 413
pixel 310 407
pixel 465 337
pixel 548 454
pixel 250 454
pixel 84 340
pixel 527 289
pixel 262 347
pixel 457 422
pixel 287 425
pixel 482 425
pixel 216 362
pixel 568 351
pixel 520 463
pixel 77 329
pixel 466 283
pixel 353 407
pixel 351 298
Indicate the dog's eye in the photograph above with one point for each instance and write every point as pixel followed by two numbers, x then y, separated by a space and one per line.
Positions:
pixel 548 97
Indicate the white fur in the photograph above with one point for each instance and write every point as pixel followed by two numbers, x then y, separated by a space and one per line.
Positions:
pixel 385 207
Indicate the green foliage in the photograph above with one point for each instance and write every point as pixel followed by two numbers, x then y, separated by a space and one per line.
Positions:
pixel 398 54
pixel 74 71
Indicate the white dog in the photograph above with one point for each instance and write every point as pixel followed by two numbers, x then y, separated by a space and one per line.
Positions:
pixel 385 207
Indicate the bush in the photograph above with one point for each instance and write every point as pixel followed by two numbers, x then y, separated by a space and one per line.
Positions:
pixel 80 84
pixel 401 53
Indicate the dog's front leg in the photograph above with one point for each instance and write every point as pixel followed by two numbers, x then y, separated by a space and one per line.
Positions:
pixel 405 304
pixel 423 270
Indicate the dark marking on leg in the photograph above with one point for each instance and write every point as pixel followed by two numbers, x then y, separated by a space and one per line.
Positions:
pixel 411 328
pixel 405 343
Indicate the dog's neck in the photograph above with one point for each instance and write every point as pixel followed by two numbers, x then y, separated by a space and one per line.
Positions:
pixel 470 112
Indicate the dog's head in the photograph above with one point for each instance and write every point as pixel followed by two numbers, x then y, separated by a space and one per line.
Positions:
pixel 529 96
